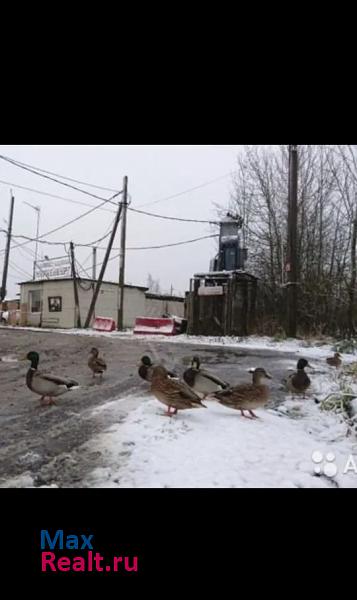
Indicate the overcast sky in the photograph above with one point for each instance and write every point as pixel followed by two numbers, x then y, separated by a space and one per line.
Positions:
pixel 154 172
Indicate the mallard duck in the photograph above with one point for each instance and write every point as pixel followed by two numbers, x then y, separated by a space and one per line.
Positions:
pixel 146 368
pixel 202 381
pixel 97 365
pixel 173 393
pixel 248 396
pixel 299 382
pixel 46 385
pixel 335 361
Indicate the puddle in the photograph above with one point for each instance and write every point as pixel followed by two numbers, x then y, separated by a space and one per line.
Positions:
pixel 9 359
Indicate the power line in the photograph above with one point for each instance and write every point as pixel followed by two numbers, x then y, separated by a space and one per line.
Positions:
pixel 197 187
pixel 98 187
pixel 48 243
pixel 160 247
pixel 206 237
pixel 20 166
pixel 33 190
pixel 141 212
pixel 64 225
pixel 20 270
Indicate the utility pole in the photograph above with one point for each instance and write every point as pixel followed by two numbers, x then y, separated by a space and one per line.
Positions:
pixel 78 323
pixel 94 266
pixel 120 323
pixel 104 266
pixel 7 251
pixel 38 210
pixel 292 265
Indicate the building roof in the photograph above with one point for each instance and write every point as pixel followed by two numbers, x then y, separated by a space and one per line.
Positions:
pixel 224 275
pixel 86 280
pixel 151 296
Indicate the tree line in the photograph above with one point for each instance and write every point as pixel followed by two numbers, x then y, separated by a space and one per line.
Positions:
pixel 327 234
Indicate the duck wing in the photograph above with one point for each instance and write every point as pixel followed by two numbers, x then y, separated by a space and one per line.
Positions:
pixel 101 363
pixel 57 380
pixel 177 392
pixel 224 385
pixel 236 394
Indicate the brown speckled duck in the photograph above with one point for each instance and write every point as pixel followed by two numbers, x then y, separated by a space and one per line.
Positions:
pixel 96 364
pixel 173 393
pixel 247 396
pixel 335 361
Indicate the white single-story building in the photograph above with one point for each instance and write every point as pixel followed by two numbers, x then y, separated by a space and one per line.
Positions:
pixel 51 303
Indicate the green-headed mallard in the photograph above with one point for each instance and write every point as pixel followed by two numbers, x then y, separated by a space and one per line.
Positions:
pixel 202 381
pixel 335 361
pixel 299 382
pixel 97 365
pixel 173 393
pixel 146 368
pixel 247 396
pixel 44 384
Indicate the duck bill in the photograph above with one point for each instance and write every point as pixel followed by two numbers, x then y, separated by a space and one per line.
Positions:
pixel 22 358
pixel 269 376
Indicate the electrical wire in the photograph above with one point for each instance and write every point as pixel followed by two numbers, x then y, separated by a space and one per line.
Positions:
pixel 207 237
pixel 20 166
pixel 193 189
pixel 98 187
pixel 160 247
pixel 35 191
pixel 88 212
pixel 171 218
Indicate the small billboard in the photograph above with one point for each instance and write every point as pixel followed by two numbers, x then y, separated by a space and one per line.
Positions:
pixel 54 268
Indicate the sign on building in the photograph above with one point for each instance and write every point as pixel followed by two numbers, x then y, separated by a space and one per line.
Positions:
pixel 216 290
pixel 55 268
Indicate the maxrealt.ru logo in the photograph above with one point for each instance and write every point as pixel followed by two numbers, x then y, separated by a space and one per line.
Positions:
pixel 325 464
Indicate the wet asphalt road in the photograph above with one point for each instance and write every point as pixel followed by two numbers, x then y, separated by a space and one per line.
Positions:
pixel 47 443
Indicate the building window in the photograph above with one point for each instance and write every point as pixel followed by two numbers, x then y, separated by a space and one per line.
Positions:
pixel 55 304
pixel 35 301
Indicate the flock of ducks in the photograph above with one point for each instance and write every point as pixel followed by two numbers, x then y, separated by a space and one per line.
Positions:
pixel 196 385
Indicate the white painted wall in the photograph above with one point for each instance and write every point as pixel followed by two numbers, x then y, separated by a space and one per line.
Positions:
pixel 156 308
pixel 107 303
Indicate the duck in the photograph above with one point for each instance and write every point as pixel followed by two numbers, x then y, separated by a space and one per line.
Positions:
pixel 146 368
pixel 46 385
pixel 202 381
pixel 299 382
pixel 97 365
pixel 175 394
pixel 247 396
pixel 335 361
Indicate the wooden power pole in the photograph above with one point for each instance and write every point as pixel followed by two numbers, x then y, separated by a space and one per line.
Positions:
pixel 7 251
pixel 292 266
pixel 104 266
pixel 120 323
pixel 94 264
pixel 75 287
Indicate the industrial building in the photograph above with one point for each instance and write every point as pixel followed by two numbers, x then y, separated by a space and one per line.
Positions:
pixel 223 301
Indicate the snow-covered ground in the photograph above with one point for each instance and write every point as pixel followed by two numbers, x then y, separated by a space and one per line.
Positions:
pixel 217 448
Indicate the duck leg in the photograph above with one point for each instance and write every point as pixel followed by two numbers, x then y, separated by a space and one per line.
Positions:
pixel 168 413
pixel 254 416
pixel 244 415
